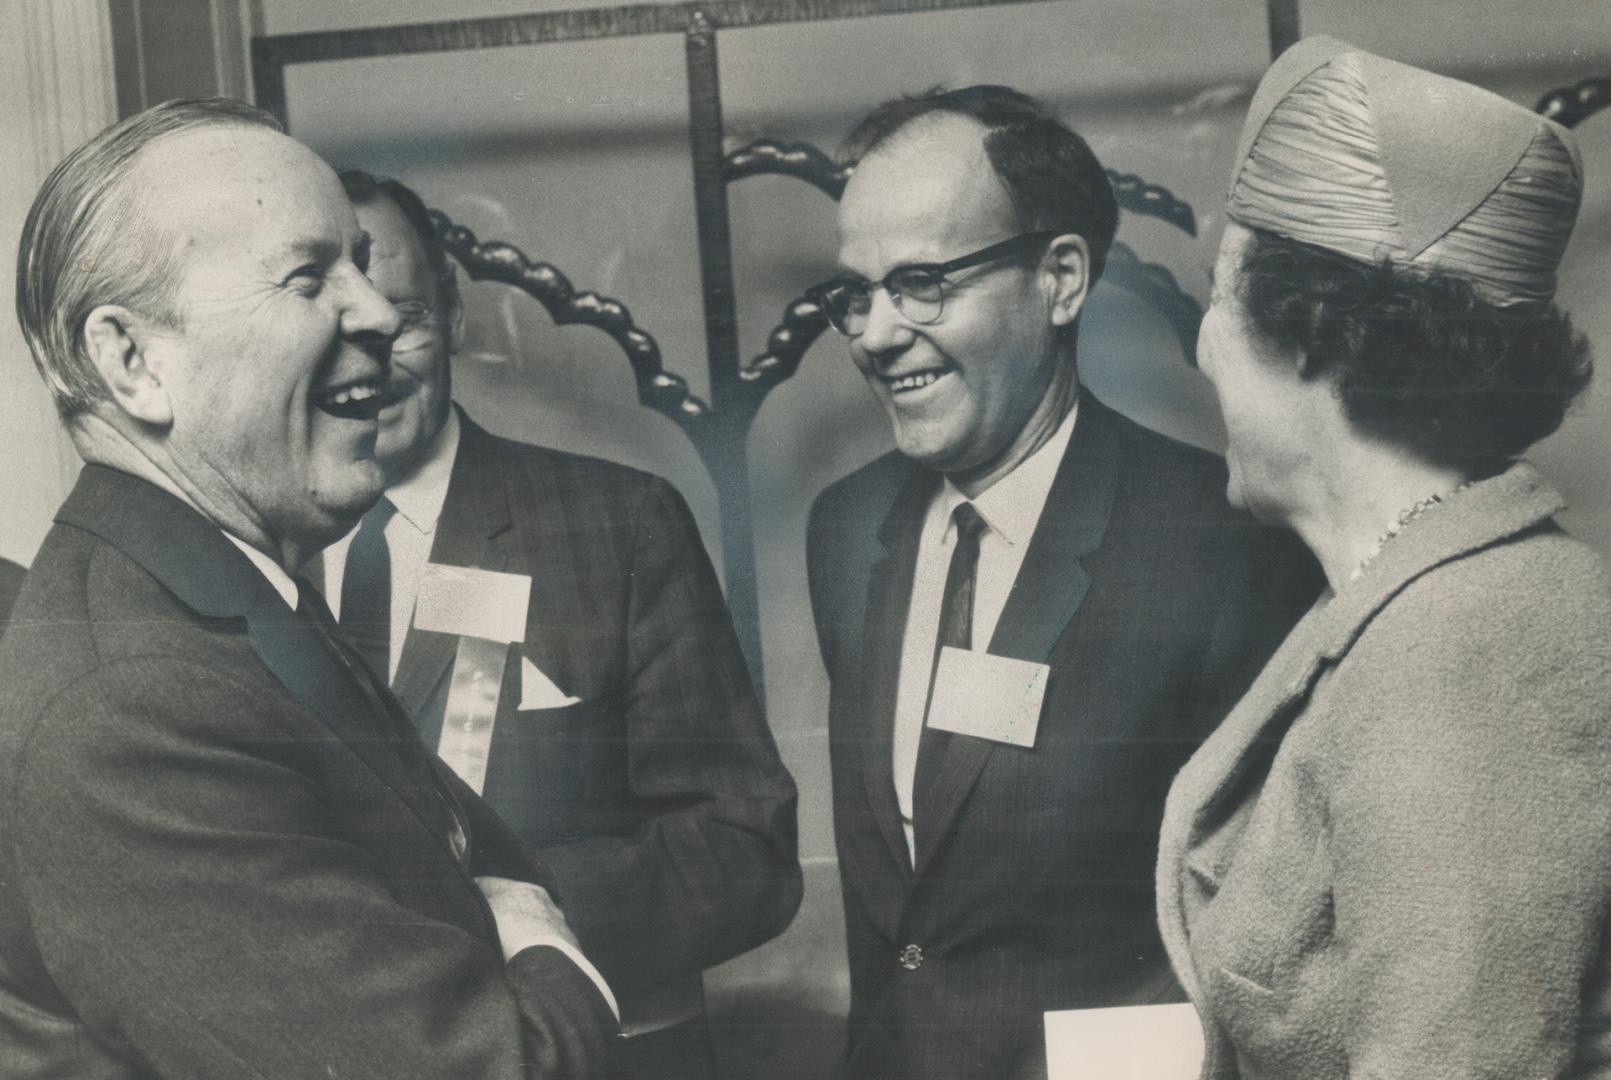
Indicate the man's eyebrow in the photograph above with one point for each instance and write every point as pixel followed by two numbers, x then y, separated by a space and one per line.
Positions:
pixel 308 249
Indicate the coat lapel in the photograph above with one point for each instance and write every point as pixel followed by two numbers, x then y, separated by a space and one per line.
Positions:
pixel 1050 586
pixel 889 594
pixel 1475 518
pixel 474 529
pixel 194 561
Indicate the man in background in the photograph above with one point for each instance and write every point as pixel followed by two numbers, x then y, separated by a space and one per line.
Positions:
pixel 223 850
pixel 1031 612
pixel 622 740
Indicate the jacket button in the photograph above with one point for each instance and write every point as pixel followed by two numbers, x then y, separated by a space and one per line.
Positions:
pixel 912 957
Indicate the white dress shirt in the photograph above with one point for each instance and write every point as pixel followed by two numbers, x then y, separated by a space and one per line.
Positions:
pixel 1011 508
pixel 409 536
pixel 270 569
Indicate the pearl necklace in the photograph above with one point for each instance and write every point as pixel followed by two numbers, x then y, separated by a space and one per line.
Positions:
pixel 1404 518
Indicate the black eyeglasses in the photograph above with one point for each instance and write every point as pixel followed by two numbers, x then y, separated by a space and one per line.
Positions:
pixel 917 290
pixel 419 318
pixel 419 325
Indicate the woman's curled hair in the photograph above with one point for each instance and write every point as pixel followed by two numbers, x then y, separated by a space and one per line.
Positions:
pixel 1416 355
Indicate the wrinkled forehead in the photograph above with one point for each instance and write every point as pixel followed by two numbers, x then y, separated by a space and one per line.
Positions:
pixel 927 194
pixel 246 188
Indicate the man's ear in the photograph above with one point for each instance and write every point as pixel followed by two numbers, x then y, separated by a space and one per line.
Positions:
pixel 455 310
pixel 1069 262
pixel 115 339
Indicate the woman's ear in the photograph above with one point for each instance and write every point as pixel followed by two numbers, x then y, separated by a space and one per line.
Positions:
pixel 115 339
pixel 1069 263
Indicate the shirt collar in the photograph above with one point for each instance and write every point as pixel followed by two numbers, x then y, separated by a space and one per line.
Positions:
pixel 419 495
pixel 272 570
pixel 1011 506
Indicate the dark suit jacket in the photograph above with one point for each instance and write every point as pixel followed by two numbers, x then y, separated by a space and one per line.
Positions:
pixel 1154 605
pixel 217 858
pixel 11 576
pixel 657 801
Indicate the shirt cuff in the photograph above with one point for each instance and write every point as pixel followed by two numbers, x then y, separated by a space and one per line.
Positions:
pixel 580 961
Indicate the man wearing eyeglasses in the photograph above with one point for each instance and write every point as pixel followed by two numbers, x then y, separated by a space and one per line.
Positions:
pixel 1030 613
pixel 619 735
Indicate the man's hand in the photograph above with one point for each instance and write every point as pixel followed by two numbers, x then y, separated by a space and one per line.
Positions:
pixel 526 915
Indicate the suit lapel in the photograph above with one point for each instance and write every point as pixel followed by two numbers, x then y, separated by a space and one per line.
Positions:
pixel 889 595
pixel 1050 586
pixel 474 529
pixel 193 560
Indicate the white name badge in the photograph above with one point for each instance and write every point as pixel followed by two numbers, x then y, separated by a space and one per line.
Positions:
pixel 991 697
pixel 1138 1042
pixel 473 603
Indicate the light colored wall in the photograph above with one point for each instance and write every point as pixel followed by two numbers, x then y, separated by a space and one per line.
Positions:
pixel 55 91
pixel 68 68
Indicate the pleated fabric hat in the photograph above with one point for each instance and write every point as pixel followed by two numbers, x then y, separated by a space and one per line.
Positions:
pixel 1376 160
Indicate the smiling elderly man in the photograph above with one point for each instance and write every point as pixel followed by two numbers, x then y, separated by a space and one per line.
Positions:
pixel 223 852
pixel 1031 612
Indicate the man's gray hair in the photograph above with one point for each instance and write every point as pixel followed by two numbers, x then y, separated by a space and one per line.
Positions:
pixel 86 243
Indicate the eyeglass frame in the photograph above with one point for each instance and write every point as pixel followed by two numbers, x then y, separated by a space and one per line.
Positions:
pixel 818 293
pixel 420 315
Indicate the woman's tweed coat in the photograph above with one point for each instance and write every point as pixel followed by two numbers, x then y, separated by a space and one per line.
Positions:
pixel 1393 859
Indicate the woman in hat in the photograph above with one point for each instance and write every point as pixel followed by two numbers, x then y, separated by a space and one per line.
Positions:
pixel 1393 859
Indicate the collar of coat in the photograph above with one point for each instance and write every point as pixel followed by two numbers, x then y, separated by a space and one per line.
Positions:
pixel 172 541
pixel 1480 516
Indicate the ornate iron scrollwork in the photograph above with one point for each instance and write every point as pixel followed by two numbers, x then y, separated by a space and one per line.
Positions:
pixel 1571 105
pixel 1152 200
pixel 802 161
pixel 658 388
pixel 1156 285
pixel 803 323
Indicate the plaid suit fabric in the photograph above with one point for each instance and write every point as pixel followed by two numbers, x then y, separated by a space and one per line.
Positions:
pixel 657 798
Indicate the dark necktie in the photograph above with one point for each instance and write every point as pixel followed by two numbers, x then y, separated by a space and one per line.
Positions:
pixel 956 630
pixel 366 590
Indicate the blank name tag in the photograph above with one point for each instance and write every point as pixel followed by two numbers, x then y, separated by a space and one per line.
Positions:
pixel 1136 1042
pixel 990 697
pixel 473 603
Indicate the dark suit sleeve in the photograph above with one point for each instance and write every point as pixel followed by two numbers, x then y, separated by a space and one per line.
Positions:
pixel 1266 581
pixel 825 586
pixel 195 895
pixel 713 871
pixel 11 576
